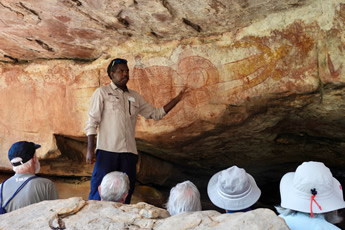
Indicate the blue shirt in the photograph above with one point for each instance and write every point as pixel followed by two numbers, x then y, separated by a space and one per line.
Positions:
pixel 303 221
pixel 243 210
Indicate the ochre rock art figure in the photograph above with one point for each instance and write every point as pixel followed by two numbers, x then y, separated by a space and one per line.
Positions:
pixel 255 69
pixel 157 82
pixel 200 75
pixel 334 73
pixel 45 106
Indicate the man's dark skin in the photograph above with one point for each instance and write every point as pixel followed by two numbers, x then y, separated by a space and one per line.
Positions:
pixel 120 78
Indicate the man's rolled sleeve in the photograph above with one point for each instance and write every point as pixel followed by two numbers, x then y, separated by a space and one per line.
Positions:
pixel 150 112
pixel 95 113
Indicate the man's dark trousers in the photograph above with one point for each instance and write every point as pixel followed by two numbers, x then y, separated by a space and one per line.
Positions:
pixel 107 162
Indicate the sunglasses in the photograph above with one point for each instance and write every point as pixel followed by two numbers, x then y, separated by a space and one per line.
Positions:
pixel 118 61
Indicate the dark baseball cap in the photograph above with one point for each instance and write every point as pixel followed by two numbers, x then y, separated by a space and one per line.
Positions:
pixel 22 149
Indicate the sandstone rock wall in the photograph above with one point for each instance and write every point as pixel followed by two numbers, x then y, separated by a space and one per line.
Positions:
pixel 244 83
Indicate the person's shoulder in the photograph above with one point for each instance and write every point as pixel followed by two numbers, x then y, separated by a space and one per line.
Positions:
pixel 299 220
pixel 42 180
pixel 8 180
pixel 135 94
pixel 131 91
pixel 103 88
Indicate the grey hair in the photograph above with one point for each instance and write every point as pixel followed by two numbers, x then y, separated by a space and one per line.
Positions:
pixel 21 168
pixel 114 186
pixel 184 197
pixel 331 217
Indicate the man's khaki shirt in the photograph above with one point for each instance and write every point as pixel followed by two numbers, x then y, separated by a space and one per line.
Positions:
pixel 114 112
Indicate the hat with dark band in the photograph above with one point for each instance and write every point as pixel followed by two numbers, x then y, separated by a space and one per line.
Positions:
pixel 23 151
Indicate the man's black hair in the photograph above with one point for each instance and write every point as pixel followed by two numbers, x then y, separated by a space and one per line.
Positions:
pixel 113 65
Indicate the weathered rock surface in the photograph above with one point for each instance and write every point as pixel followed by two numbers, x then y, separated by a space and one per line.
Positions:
pixel 75 213
pixel 84 29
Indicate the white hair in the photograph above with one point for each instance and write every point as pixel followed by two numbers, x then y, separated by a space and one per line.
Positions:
pixel 21 168
pixel 25 168
pixel 331 217
pixel 114 186
pixel 184 197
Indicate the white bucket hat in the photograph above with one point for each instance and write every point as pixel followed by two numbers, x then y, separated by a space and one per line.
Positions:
pixel 311 189
pixel 233 189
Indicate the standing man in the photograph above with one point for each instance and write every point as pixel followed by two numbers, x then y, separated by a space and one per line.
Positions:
pixel 114 111
pixel 24 188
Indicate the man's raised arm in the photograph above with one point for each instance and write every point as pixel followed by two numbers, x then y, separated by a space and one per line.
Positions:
pixel 171 104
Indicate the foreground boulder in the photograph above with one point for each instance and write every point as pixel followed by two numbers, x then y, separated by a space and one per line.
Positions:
pixel 76 213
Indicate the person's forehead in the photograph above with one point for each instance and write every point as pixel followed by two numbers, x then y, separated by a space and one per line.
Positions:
pixel 121 66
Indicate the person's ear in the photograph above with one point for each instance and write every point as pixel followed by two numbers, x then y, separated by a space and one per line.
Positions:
pixel 99 191
pixel 34 158
pixel 111 75
pixel 124 197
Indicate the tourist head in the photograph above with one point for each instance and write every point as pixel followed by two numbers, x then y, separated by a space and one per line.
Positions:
pixel 233 189
pixel 23 158
pixel 118 70
pixel 311 189
pixel 184 197
pixel 114 64
pixel 114 187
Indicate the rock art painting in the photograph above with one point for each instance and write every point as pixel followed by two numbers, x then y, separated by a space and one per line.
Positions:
pixel 334 72
pixel 38 100
pixel 255 69
pixel 35 106
pixel 158 84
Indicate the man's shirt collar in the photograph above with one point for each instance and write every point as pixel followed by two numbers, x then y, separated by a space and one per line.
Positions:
pixel 114 87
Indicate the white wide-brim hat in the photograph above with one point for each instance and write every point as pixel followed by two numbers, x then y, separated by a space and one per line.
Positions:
pixel 233 189
pixel 296 189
